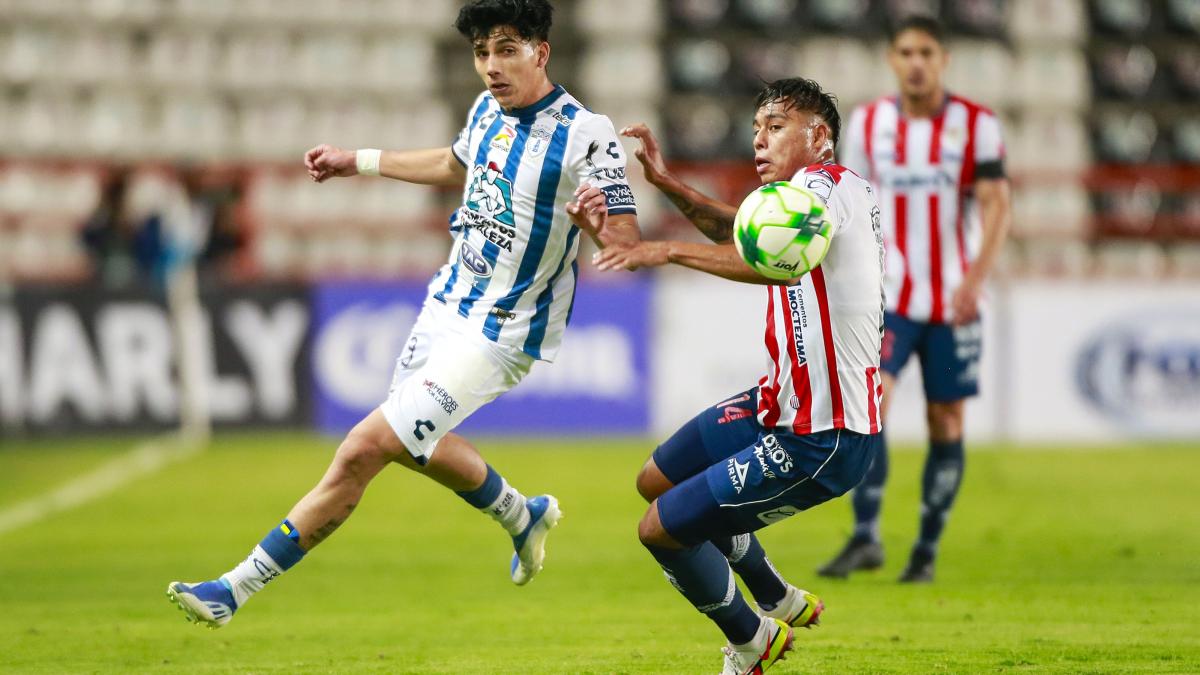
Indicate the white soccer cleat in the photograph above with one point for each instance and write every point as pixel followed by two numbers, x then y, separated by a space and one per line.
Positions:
pixel 530 545
pixel 773 639
pixel 798 608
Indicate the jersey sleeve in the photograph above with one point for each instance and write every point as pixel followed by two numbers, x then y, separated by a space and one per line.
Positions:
pixel 462 143
pixel 599 160
pixel 989 148
pixel 853 150
pixel 823 185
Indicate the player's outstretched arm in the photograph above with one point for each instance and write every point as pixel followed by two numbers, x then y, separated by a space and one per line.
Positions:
pixel 435 166
pixel 712 217
pixel 995 214
pixel 720 260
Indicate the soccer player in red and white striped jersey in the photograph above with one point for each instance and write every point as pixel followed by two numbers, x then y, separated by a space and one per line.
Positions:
pixel 937 163
pixel 810 428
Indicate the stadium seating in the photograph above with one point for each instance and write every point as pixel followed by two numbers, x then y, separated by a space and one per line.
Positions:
pixel 253 83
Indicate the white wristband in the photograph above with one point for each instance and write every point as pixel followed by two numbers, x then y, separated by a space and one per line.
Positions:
pixel 368 161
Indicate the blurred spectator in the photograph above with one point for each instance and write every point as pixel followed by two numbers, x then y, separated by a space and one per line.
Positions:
pixel 119 248
pixel 148 223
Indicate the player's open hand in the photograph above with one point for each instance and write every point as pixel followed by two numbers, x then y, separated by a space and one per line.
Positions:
pixel 589 211
pixel 325 161
pixel 965 302
pixel 647 152
pixel 632 256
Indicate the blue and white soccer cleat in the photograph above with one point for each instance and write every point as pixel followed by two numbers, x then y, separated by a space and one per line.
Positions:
pixel 210 602
pixel 530 545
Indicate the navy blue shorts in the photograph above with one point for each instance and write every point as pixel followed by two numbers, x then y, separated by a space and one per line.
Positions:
pixel 732 476
pixel 948 355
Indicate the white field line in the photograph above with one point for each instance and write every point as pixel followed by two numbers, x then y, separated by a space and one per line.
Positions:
pixel 142 460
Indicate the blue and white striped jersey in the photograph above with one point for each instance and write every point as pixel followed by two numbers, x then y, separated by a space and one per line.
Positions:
pixel 512 270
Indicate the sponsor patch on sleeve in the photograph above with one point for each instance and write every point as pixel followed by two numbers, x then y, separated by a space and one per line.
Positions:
pixel 619 198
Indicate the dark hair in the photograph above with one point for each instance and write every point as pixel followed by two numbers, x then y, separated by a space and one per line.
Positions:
pixel 803 94
pixel 924 23
pixel 530 18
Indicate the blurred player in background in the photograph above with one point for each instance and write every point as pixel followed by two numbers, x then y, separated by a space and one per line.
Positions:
pixel 937 162
pixel 500 303
pixel 810 429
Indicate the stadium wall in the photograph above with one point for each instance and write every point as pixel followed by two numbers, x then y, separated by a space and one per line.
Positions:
pixel 1072 362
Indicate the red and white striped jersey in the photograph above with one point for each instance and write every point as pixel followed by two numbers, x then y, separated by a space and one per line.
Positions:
pixel 923 170
pixel 824 332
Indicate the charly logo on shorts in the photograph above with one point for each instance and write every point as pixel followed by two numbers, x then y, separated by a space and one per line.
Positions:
pixel 778 514
pixel 473 260
pixel 441 396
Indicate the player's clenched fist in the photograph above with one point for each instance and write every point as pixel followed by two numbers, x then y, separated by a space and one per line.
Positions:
pixel 589 211
pixel 325 161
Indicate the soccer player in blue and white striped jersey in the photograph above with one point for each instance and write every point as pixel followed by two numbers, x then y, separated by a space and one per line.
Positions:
pixel 500 303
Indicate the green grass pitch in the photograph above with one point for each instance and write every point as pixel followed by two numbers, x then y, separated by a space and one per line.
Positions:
pixel 1055 561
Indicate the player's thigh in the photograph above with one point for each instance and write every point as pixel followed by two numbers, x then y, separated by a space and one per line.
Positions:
pixel 900 339
pixel 709 437
pixel 458 376
pixel 757 486
pixel 950 357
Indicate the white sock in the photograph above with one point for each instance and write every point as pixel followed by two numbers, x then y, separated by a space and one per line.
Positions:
pixel 251 575
pixel 509 510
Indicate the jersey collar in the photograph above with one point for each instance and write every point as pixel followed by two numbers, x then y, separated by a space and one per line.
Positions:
pixel 535 108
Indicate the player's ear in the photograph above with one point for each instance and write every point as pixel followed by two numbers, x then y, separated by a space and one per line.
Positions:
pixel 543 53
pixel 822 137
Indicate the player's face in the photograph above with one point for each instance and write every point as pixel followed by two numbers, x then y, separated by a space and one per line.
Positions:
pixel 512 68
pixel 918 61
pixel 786 140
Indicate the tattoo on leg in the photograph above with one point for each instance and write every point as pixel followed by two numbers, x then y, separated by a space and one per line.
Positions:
pixel 328 528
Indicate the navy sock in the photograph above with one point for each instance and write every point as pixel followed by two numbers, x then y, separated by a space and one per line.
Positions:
pixel 939 486
pixel 747 557
pixel 283 545
pixel 484 495
pixel 868 496
pixel 703 576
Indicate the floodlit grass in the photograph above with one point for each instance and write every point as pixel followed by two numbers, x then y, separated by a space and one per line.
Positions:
pixel 1055 561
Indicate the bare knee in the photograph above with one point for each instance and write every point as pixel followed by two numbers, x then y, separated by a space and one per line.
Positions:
pixel 651 483
pixel 945 421
pixel 651 531
pixel 360 456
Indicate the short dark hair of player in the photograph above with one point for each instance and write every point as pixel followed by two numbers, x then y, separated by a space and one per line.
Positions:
pixel 926 24
pixel 530 18
pixel 799 93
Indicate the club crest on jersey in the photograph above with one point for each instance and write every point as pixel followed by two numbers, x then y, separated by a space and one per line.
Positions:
pixel 539 140
pixel 473 260
pixel 490 194
pixel 503 140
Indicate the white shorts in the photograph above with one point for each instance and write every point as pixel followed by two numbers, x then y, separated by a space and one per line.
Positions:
pixel 442 376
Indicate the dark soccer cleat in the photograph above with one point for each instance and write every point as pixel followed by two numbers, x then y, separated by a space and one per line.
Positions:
pixel 919 570
pixel 858 554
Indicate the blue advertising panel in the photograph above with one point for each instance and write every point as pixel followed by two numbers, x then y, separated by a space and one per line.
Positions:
pixel 598 382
